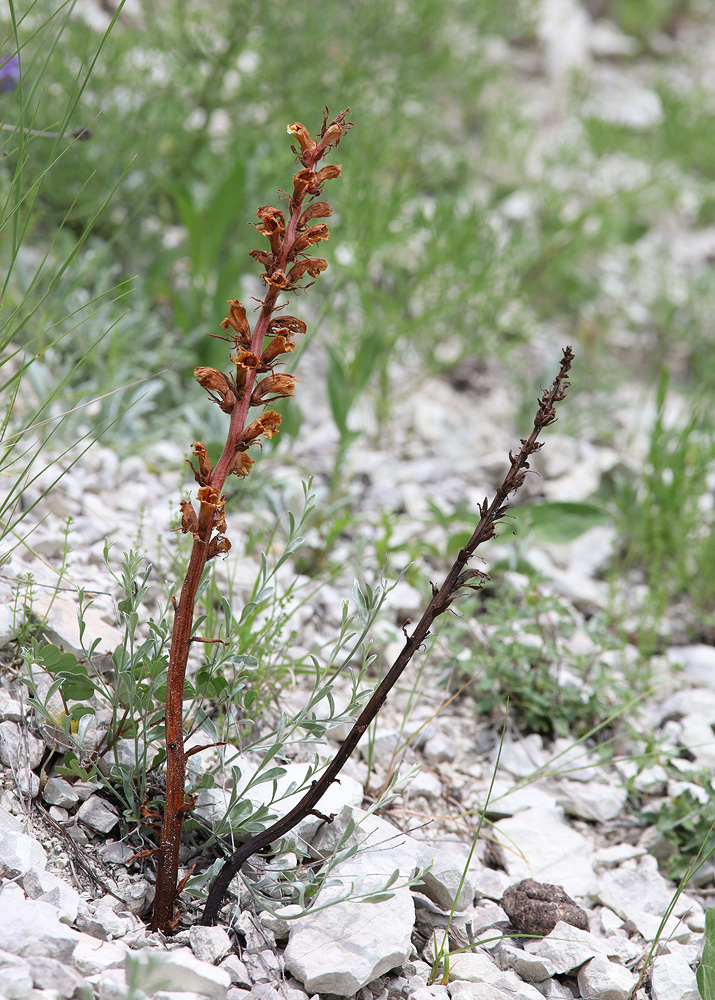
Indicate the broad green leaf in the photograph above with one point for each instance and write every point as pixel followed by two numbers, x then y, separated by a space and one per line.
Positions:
pixel 559 521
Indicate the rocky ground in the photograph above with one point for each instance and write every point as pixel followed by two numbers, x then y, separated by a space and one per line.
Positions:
pixel 560 813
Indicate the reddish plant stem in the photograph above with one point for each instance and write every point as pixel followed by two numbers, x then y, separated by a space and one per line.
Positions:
pixel 175 805
pixel 457 578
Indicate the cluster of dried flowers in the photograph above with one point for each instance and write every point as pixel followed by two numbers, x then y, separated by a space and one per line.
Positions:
pixel 253 382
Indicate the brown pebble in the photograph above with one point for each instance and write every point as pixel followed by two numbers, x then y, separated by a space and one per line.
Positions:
pixel 536 908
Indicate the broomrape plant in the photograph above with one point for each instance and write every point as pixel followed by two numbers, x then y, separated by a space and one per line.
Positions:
pixel 287 262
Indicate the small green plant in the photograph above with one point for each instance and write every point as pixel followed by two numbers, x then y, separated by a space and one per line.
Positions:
pixel 519 651
pixel 687 824
pixel 665 522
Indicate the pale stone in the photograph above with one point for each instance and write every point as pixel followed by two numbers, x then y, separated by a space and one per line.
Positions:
pixel 345 946
pixel 178 970
pixel 210 944
pixel 236 970
pixel 698 662
pixel 98 814
pixel 601 979
pixel 595 800
pixel 19 749
pixel 38 883
pixel 566 947
pixel 538 844
pixel 673 979
pixel 20 853
pixel 31 927
pixel 59 792
pixel 532 968
pixel 92 957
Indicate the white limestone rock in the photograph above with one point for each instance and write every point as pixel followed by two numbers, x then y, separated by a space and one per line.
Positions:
pixel 698 662
pixel 38 883
pixel 595 800
pixel 444 867
pixel 20 853
pixel 601 979
pixel 49 974
pixel 673 979
pixel 210 944
pixel 31 927
pixel 59 792
pixel 538 844
pixel 634 889
pixel 92 957
pixel 522 758
pixel 531 968
pixel 177 970
pixel 98 814
pixel 566 947
pixel 15 981
pixel 19 749
pixel 236 970
pixel 345 946
pixel 475 970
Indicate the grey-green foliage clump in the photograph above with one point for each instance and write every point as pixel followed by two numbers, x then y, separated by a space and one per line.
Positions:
pixel 518 650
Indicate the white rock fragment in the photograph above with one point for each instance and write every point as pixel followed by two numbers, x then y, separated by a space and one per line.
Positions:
pixel 177 970
pixel 20 853
pixel 91 957
pixel 98 814
pixel 698 662
pixel 601 979
pixel 345 946
pixel 595 800
pixel 538 844
pixel 673 979
pixel 15 982
pixel 38 883
pixel 566 947
pixel 59 792
pixel 531 968
pixel 210 944
pixel 19 749
pixel 31 927
pixel 236 970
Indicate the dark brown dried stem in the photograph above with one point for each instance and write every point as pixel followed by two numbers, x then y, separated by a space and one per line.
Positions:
pixel 458 577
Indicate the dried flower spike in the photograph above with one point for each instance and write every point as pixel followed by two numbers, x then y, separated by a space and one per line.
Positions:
pixel 285 263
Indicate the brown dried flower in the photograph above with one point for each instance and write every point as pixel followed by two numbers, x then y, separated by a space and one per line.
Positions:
pixel 272 387
pixel 238 321
pixel 218 386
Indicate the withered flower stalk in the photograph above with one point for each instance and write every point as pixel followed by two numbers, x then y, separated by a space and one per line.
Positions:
pixel 459 577
pixel 254 354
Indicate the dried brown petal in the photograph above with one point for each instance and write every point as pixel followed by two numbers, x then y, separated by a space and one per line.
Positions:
pixel 218 546
pixel 247 360
pixel 312 265
pixel 302 182
pixel 315 234
pixel 318 210
pixel 279 345
pixel 267 424
pixel 210 510
pixel 189 520
pixel 325 174
pixel 237 320
pixel 242 465
pixel 277 280
pixel 287 325
pixel 301 133
pixel 271 217
pixel 203 456
pixel 264 258
pixel 274 385
pixel 218 386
